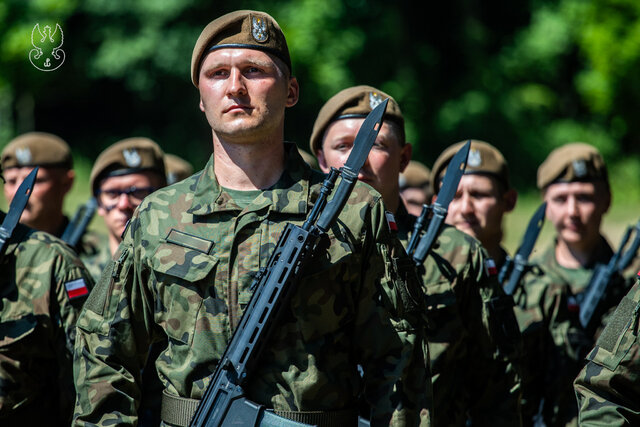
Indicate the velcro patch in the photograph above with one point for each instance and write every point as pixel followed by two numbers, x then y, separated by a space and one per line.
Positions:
pixel 76 288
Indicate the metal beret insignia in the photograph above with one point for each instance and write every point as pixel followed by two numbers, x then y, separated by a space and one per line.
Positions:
pixel 374 99
pixel 579 167
pixel 132 157
pixel 259 29
pixel 23 156
pixel 474 159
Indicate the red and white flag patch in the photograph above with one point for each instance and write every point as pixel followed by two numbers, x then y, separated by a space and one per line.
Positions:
pixel 391 221
pixel 490 267
pixel 76 288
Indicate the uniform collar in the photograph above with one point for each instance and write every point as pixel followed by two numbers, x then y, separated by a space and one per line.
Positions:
pixel 289 195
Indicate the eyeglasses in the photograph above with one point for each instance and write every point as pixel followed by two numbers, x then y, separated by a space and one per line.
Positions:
pixel 109 198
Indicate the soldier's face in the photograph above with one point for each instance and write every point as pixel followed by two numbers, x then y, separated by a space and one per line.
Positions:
pixel 244 93
pixel 383 165
pixel 47 198
pixel 414 198
pixel 121 209
pixel 575 209
pixel 478 208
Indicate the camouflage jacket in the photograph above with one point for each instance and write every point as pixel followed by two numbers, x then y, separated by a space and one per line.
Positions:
pixel 608 387
pixel 554 347
pixel 474 363
pixel 97 258
pixel 43 288
pixel 184 270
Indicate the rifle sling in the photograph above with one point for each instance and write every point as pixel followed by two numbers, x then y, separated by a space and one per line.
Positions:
pixel 178 411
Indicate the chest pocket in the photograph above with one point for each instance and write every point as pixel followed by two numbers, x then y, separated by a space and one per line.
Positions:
pixel 185 279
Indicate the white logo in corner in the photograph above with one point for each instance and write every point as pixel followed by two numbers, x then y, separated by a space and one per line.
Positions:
pixel 47 55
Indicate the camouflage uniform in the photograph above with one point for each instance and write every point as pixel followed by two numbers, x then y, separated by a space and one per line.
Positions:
pixel 608 387
pixel 184 272
pixel 44 286
pixel 474 363
pixel 554 347
pixel 97 259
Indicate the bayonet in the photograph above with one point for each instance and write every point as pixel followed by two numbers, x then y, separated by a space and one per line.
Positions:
pixel 18 203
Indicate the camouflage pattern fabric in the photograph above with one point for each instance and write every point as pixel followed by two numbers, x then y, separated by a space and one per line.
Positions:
pixel 608 387
pixel 554 347
pixel 473 338
pixel 184 271
pixel 42 295
pixel 96 254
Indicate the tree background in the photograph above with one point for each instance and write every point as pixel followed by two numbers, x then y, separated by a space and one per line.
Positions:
pixel 525 75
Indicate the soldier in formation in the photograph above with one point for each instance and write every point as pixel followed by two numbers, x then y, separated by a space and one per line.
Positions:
pixel 185 266
pixel 474 363
pixel 415 187
pixel 176 168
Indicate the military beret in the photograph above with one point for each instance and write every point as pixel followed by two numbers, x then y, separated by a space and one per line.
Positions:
pixel 37 149
pixel 576 161
pixel 415 175
pixel 130 155
pixel 177 168
pixel 483 159
pixel 248 29
pixel 353 102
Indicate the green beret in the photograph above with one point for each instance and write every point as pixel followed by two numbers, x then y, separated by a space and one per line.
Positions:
pixel 576 161
pixel 415 175
pixel 131 155
pixel 483 159
pixel 357 101
pixel 248 29
pixel 177 168
pixel 37 149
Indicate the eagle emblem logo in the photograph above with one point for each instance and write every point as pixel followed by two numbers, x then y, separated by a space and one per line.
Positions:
pixel 580 168
pixel 374 99
pixel 474 159
pixel 132 157
pixel 23 156
pixel 259 29
pixel 46 54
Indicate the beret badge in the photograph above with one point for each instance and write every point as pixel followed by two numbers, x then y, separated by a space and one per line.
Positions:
pixel 23 156
pixel 131 157
pixel 259 29
pixel 475 158
pixel 374 99
pixel 580 168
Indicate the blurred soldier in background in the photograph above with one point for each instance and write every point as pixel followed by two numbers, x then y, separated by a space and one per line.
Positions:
pixel 55 179
pixel 177 168
pixel 43 285
pixel 415 187
pixel 473 361
pixel 551 332
pixel 308 158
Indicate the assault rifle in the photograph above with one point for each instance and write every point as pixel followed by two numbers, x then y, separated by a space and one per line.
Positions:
pixel 438 209
pixel 516 266
pixel 78 225
pixel 224 402
pixel 590 300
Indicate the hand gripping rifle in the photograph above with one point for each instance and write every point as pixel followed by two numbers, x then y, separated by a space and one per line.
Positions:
pixel 78 225
pixel 438 209
pixel 18 203
pixel 224 402
pixel 596 291
pixel 515 267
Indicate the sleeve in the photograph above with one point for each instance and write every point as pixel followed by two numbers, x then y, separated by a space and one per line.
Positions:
pixel 495 369
pixel 390 328
pixel 608 387
pixel 112 343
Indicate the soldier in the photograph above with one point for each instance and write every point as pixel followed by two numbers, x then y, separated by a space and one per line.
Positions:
pixel 608 387
pixel 44 285
pixel 415 187
pixel 184 269
pixel 177 168
pixel 575 184
pixel 472 362
pixel 554 343
pixel 55 179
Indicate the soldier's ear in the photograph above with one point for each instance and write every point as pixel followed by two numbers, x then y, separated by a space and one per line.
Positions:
pixel 201 105
pixel 293 92
pixel 510 198
pixel 405 156
pixel 322 163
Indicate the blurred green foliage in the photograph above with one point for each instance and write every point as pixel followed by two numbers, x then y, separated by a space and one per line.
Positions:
pixel 526 75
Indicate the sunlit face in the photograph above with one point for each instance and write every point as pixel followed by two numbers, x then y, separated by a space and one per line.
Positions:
pixel 575 209
pixel 243 93
pixel 47 197
pixel 478 208
pixel 117 209
pixel 383 166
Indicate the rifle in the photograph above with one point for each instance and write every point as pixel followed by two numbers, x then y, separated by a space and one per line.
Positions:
pixel 224 402
pixel 78 225
pixel 516 266
pixel 630 254
pixel 596 290
pixel 18 203
pixel 438 209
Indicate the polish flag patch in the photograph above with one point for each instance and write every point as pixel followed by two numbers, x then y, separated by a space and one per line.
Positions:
pixel 391 221
pixel 76 288
pixel 490 267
